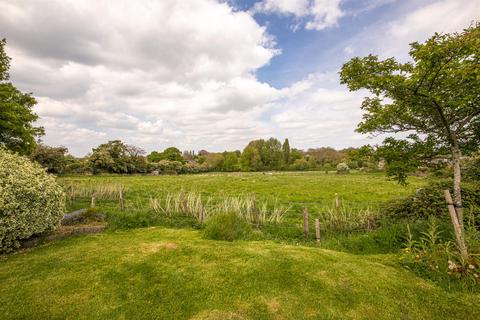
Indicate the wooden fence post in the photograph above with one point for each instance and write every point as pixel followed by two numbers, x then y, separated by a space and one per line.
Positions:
pixel 92 203
pixel 317 230
pixel 202 216
pixel 120 194
pixel 456 225
pixel 337 204
pixel 254 209
pixel 305 222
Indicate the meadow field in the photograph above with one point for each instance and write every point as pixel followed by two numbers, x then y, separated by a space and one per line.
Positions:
pixel 157 265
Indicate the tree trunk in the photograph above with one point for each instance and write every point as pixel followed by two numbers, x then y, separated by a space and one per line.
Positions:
pixel 457 179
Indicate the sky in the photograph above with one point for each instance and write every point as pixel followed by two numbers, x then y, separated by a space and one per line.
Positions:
pixel 208 74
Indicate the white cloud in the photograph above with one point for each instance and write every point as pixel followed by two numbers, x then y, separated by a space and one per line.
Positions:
pixel 442 16
pixel 157 72
pixel 391 36
pixel 161 73
pixel 315 14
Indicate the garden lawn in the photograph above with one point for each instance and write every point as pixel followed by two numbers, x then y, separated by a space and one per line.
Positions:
pixel 159 273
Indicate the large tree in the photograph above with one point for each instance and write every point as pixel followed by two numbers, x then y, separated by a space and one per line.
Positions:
pixel 117 157
pixel 54 159
pixel 17 130
pixel 435 97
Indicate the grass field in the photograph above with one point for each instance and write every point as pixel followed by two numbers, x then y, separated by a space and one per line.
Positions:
pixel 162 268
pixel 312 189
pixel 158 273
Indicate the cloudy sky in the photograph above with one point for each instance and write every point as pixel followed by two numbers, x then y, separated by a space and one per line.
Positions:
pixel 207 74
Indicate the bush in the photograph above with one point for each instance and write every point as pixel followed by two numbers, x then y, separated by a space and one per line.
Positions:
pixel 300 164
pixel 430 202
pixel 31 202
pixel 227 226
pixel 472 168
pixel 342 168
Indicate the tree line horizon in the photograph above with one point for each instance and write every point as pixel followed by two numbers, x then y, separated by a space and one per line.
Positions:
pixel 270 154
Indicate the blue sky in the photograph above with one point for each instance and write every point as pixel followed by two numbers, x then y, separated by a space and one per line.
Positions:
pixel 208 74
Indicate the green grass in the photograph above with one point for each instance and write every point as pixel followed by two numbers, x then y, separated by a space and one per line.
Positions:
pixel 158 273
pixel 315 190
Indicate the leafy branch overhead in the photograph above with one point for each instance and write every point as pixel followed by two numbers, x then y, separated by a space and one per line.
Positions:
pixel 436 95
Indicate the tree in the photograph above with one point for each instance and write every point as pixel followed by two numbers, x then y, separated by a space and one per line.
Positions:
pixel 117 157
pixel 230 162
pixel 286 152
pixel 172 154
pixel 435 97
pixel 250 159
pixel 361 157
pixel 54 159
pixel 17 132
pixel 154 156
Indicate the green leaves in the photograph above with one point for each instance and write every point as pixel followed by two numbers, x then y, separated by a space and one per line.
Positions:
pixel 436 96
pixel 17 132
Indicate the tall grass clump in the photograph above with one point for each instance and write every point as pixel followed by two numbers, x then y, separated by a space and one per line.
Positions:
pixel 348 218
pixel 227 226
pixel 106 191
pixel 193 205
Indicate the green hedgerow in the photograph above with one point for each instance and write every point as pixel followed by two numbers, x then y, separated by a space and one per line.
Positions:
pixel 429 201
pixel 31 202
pixel 227 226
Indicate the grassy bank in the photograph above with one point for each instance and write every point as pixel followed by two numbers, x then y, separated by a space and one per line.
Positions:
pixel 174 274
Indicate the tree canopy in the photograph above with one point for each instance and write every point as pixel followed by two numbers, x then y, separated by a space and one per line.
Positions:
pixel 17 130
pixel 435 97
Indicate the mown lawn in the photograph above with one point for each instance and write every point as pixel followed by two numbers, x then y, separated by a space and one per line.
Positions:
pixel 159 273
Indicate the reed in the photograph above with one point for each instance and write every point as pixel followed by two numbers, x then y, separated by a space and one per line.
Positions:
pixel 192 204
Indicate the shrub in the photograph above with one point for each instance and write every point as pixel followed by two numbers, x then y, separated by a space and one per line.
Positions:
pixel 430 201
pixel 31 202
pixel 227 226
pixel 300 164
pixel 472 168
pixel 342 168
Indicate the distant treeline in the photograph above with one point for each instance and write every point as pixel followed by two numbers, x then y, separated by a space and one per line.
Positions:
pixel 259 155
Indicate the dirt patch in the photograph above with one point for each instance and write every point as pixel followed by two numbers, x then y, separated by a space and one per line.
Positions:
pixel 273 305
pixel 148 248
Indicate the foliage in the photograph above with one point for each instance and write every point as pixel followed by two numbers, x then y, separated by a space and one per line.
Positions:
pixel 31 202
pixel 363 157
pixel 342 168
pixel 300 164
pixel 227 226
pixel 169 154
pixel 472 168
pixel 436 96
pixel 117 157
pixel 429 201
pixel 437 259
pixel 54 159
pixel 17 131
pixel 286 152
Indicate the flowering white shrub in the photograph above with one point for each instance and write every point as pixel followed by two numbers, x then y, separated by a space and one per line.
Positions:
pixel 342 168
pixel 31 201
